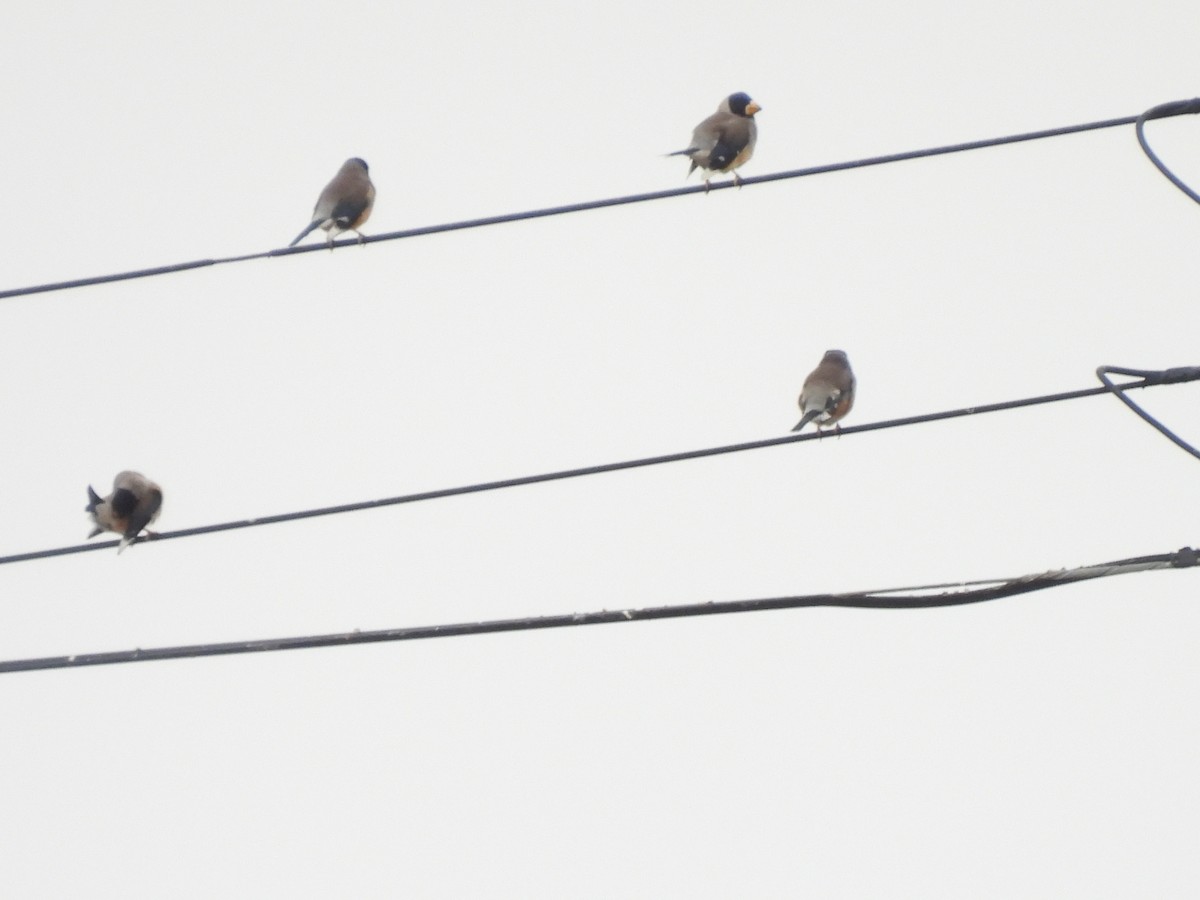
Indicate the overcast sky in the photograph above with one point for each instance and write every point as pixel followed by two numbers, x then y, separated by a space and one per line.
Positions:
pixel 1042 746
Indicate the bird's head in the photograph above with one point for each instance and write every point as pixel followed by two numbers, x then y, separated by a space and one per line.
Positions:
pixel 740 104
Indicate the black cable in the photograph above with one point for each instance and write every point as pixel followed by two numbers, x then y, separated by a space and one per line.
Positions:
pixel 592 470
pixel 1175 108
pixel 1167 376
pixel 1184 558
pixel 579 207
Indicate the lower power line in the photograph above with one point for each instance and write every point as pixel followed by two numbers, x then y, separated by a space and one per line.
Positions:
pixel 883 599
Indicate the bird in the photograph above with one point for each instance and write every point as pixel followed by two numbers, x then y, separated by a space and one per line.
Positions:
pixel 828 391
pixel 134 503
pixel 344 205
pixel 725 140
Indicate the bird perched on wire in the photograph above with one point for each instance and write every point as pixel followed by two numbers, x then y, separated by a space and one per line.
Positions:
pixel 344 205
pixel 134 503
pixel 725 140
pixel 828 391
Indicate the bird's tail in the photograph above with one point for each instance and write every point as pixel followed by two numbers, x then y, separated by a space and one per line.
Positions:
pixel 315 223
pixel 808 417
pixel 688 152
pixel 94 500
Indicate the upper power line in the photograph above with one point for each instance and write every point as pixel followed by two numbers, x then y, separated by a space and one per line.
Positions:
pixel 1178 108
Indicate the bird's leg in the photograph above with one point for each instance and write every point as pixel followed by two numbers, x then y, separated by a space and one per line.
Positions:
pixel 707 186
pixel 737 179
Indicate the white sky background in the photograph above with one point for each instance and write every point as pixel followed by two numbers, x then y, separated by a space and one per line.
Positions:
pixel 1038 746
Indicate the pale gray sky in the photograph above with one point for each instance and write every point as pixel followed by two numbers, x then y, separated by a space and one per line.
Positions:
pixel 1042 746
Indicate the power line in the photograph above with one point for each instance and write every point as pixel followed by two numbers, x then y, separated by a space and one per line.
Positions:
pixel 598 204
pixel 884 599
pixel 1148 379
pixel 1176 108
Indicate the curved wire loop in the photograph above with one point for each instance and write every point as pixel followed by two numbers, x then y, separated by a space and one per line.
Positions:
pixel 1162 111
pixel 1166 376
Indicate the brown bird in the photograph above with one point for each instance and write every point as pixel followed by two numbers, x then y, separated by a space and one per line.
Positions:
pixel 725 140
pixel 828 391
pixel 134 503
pixel 344 205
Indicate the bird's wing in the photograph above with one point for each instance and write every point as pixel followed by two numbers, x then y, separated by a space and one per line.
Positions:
pixel 144 514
